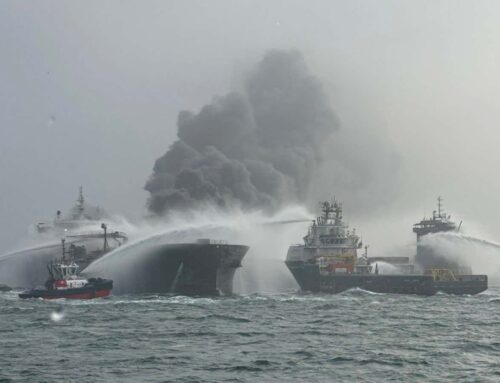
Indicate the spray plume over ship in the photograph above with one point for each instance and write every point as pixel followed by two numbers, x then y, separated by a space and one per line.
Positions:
pixel 328 261
pixel 86 235
pixel 262 270
pixel 257 148
pixel 190 266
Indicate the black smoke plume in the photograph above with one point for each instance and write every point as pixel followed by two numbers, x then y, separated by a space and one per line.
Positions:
pixel 258 148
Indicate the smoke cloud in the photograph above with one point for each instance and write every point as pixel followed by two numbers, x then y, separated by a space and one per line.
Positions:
pixel 256 148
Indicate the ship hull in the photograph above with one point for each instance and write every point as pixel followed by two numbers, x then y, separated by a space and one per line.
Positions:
pixel 97 289
pixel 309 278
pixel 182 268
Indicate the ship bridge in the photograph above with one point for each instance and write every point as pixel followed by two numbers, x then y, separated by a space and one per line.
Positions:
pixel 329 245
pixel 432 257
pixel 328 230
pixel 440 222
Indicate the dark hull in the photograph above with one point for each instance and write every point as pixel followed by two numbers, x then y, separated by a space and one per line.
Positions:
pixel 309 279
pixel 183 268
pixel 94 289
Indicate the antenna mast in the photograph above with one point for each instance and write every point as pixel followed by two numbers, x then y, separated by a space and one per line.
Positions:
pixel 80 200
pixel 440 205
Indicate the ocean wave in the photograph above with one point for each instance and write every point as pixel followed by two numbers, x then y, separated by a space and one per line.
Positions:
pixel 263 337
pixel 359 291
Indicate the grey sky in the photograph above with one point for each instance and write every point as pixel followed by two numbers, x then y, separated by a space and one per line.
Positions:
pixel 90 93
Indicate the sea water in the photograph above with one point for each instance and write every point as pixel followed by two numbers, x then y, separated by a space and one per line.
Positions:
pixel 275 337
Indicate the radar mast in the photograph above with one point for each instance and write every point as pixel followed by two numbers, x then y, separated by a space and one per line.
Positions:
pixel 80 201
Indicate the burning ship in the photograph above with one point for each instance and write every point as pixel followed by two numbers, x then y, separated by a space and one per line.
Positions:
pixel 328 261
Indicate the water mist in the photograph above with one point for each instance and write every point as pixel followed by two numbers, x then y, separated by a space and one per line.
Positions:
pixel 481 255
pixel 267 236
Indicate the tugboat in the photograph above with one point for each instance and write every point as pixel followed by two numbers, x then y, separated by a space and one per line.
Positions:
pixel 64 282
pixel 328 262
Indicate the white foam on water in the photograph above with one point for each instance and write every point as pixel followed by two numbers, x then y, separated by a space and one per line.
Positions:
pixel 57 316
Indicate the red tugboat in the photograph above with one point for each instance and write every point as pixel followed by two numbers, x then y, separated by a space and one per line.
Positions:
pixel 64 282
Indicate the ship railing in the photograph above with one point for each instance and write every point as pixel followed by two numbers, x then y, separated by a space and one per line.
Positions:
pixel 442 274
pixel 208 241
pixel 97 234
pixel 218 242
